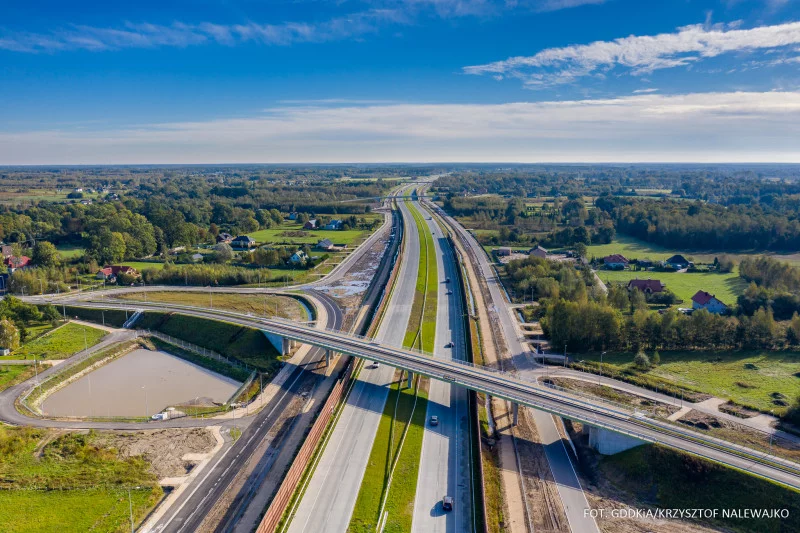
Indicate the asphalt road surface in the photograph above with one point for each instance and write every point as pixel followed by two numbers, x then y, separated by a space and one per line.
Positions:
pixel 445 459
pixel 328 501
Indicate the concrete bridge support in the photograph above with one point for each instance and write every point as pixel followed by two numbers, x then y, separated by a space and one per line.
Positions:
pixel 328 355
pixel 282 344
pixel 609 442
pixel 515 411
pixel 410 378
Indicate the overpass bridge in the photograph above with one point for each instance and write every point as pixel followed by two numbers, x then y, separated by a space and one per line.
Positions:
pixel 593 412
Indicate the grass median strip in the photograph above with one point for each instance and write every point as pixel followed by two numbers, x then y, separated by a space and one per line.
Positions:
pixel 398 442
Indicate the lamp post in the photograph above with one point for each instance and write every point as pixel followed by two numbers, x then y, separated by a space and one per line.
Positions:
pixel 601 368
pixel 130 506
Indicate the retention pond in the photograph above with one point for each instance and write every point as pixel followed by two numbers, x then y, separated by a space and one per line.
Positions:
pixel 140 383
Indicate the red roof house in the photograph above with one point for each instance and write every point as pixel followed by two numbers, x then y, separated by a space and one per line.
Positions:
pixel 704 300
pixel 122 269
pixel 14 263
pixel 648 286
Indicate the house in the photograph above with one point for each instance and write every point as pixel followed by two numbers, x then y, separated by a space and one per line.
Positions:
pixel 224 238
pixel 503 252
pixel 709 302
pixel 333 225
pixel 6 250
pixel 324 244
pixel 647 286
pixel 311 224
pixel 644 263
pixel 197 257
pixel 78 189
pixel 615 262
pixel 13 263
pixel 244 242
pixel 116 270
pixel 538 252
pixel 293 216
pixel 298 257
pixel 176 250
pixel 678 262
pixel 104 273
pixel 4 351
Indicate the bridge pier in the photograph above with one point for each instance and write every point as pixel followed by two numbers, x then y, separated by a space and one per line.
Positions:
pixel 283 344
pixel 515 411
pixel 410 377
pixel 328 355
pixel 607 442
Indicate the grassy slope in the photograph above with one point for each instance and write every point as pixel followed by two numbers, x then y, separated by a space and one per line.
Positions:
pixel 73 486
pixel 718 373
pixel 636 249
pixel 61 343
pixel 727 287
pixel 12 374
pixel 243 303
pixel 673 480
pixel 400 504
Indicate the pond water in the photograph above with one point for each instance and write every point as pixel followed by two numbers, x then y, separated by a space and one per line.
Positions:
pixel 142 382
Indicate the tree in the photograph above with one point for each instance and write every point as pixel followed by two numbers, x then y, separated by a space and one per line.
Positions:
pixel 793 330
pixel 223 253
pixel 45 254
pixel 641 361
pixel 9 335
pixel 655 359
pixel 50 313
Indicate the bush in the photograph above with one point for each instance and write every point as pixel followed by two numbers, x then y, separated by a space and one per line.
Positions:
pixel 641 361
pixel 655 359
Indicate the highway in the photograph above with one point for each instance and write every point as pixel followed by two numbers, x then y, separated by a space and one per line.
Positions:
pixel 512 388
pixel 569 488
pixel 328 501
pixel 445 467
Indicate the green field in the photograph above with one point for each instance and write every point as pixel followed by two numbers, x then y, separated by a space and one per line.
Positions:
pixel 142 265
pixel 749 378
pixel 636 249
pixel 61 343
pixel 405 409
pixel 13 374
pixel 275 235
pixel 654 475
pixel 256 304
pixel 727 287
pixel 68 251
pixel 70 484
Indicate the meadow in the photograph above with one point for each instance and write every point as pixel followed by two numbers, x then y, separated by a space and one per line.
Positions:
pixel 61 343
pixel 633 248
pixel 13 374
pixel 751 378
pixel 727 287
pixel 311 237
pixel 69 484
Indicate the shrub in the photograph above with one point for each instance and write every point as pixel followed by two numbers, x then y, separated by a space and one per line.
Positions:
pixel 641 361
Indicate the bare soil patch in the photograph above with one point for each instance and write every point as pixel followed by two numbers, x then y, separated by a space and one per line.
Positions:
pixel 162 448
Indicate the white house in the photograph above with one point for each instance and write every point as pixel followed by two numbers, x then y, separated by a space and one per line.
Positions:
pixel 324 244
pixel 334 225
pixel 704 300
pixel 538 252
pixel 298 257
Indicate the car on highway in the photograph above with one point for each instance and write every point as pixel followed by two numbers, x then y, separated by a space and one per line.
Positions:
pixel 449 292
pixel 375 364
pixel 434 420
pixel 447 503
pixel 449 345
pixel 447 280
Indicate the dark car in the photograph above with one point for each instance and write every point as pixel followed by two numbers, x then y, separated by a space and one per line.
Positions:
pixel 447 503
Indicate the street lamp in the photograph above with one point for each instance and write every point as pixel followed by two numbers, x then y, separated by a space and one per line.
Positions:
pixel 130 507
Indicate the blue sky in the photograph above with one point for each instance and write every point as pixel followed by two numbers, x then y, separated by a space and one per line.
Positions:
pixel 209 81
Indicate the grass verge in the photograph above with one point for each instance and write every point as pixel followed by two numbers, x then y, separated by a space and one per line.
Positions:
pixel 61 343
pixel 69 484
pixel 658 476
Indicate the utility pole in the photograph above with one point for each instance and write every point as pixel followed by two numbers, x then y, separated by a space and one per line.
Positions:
pixel 565 356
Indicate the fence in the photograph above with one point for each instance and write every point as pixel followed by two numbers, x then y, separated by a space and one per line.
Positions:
pixel 199 350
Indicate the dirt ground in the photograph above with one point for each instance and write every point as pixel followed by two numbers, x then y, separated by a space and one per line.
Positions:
pixel 662 409
pixel 544 502
pixel 162 448
pixel 602 494
pixel 242 485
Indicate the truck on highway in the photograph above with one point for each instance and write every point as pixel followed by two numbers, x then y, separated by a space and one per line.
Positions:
pixel 447 503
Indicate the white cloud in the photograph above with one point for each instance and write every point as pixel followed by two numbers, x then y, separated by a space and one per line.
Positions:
pixel 645 91
pixel 704 127
pixel 178 34
pixel 639 54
